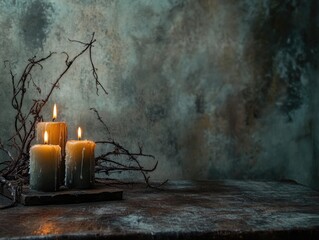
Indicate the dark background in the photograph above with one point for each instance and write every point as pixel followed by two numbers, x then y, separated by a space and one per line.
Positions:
pixel 214 89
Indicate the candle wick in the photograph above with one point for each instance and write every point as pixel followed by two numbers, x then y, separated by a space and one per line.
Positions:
pixel 79 138
pixel 53 119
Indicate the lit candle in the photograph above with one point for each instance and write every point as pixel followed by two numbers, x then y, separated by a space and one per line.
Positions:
pixel 57 136
pixel 44 162
pixel 79 162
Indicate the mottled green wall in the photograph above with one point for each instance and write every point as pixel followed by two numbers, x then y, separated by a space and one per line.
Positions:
pixel 213 88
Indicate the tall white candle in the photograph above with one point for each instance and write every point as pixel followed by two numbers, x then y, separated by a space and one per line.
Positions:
pixel 57 136
pixel 44 166
pixel 79 163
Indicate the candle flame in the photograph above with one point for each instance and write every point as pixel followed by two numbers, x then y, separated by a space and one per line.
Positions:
pixel 54 112
pixel 79 133
pixel 46 137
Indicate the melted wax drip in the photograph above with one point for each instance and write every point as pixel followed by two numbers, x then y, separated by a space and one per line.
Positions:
pixel 83 152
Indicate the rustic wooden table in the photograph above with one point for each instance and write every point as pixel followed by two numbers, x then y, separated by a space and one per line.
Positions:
pixel 184 210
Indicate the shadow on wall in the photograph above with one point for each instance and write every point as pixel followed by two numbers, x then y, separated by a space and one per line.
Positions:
pixel 264 128
pixel 35 22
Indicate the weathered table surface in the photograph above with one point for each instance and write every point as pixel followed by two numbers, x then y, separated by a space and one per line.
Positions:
pixel 184 210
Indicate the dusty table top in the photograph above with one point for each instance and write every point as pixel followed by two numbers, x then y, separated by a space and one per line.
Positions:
pixel 184 210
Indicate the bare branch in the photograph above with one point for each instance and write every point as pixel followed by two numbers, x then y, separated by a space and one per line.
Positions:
pixel 25 122
pixel 131 157
pixel 2 148
pixel 26 118
pixel 100 119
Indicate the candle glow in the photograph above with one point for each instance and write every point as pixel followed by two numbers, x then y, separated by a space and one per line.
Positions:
pixel 54 112
pixel 46 137
pixel 79 133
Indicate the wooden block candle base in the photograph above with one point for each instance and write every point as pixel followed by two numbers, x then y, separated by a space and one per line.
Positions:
pixel 100 192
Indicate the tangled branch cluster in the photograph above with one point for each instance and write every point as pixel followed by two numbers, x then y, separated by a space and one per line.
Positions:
pixel 16 167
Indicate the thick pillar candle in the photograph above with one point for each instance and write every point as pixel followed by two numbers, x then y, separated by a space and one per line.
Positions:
pixel 58 134
pixel 44 167
pixel 79 163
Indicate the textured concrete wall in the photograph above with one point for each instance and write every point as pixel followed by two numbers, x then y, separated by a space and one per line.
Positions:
pixel 213 88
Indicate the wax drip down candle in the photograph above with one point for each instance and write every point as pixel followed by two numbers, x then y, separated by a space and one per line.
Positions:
pixel 44 164
pixel 58 134
pixel 79 163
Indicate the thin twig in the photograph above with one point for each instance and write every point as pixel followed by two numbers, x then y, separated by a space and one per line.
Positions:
pixel 131 157
pixel 100 119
